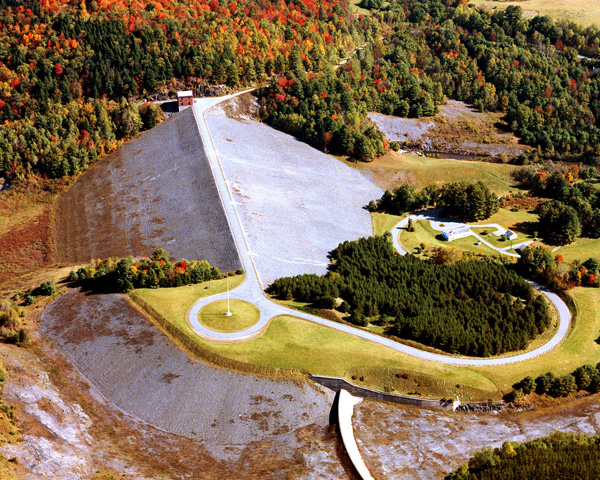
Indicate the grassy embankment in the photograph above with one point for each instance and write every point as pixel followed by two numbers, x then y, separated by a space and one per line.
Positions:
pixel 394 169
pixel 295 344
pixel 584 12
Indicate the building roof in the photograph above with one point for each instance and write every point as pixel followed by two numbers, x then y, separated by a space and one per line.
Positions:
pixel 185 93
pixel 458 231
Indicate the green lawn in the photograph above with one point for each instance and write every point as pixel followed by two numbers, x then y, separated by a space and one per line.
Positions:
pixel 173 303
pixel 293 343
pixel 382 222
pixel 581 250
pixel 243 316
pixel 427 171
pixel 432 238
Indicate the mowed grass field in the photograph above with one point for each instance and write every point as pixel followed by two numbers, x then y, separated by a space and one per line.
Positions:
pixel 297 344
pixel 585 12
pixel 393 169
pixel 243 316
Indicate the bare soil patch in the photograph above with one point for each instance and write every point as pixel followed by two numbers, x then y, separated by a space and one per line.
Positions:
pixel 458 129
pixel 26 227
pixel 155 191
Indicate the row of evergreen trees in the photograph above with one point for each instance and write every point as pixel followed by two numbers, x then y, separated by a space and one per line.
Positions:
pixel 586 377
pixel 559 456
pixel 475 307
pixel 123 275
pixel 468 201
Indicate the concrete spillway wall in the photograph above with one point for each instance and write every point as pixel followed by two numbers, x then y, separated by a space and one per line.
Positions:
pixel 338 384
pixel 345 407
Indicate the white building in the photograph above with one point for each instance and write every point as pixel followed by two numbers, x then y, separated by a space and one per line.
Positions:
pixel 510 235
pixel 453 234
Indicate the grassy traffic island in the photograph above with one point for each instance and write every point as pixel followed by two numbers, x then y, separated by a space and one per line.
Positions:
pixel 243 316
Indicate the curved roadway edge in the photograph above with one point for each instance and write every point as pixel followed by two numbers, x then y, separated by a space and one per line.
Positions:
pixel 346 404
pixel 250 290
pixel 437 222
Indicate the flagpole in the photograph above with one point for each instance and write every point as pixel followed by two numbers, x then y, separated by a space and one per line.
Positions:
pixel 228 314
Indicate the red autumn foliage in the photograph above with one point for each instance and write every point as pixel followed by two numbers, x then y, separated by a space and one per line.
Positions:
pixel 58 69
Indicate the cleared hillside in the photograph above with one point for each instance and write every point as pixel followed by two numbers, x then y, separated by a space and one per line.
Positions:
pixel 156 191
pixel 296 204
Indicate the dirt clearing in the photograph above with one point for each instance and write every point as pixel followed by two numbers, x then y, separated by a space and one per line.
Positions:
pixel 296 204
pixel 458 129
pixel 156 191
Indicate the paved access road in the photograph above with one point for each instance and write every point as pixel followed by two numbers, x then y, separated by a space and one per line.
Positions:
pixel 251 291
pixel 449 224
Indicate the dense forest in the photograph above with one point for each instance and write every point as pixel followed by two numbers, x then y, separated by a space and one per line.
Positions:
pixel 123 275
pixel 70 73
pixel 474 307
pixel 425 51
pixel 559 456
pixel 468 201
pixel 575 206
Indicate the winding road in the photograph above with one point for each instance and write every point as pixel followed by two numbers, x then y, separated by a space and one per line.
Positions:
pixel 251 289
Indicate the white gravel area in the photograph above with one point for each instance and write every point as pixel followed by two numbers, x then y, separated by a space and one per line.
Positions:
pixel 401 129
pixel 296 204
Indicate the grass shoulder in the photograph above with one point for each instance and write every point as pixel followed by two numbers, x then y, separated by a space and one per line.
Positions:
pixel 290 344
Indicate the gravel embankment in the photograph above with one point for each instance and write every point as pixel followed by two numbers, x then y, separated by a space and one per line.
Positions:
pixel 296 204
pixel 155 191
pixel 401 129
pixel 138 369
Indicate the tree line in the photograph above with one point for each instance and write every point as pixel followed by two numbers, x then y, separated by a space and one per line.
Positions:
pixel 125 274
pixel 560 455
pixel 420 52
pixel 468 201
pixel 574 209
pixel 584 378
pixel 72 74
pixel 475 307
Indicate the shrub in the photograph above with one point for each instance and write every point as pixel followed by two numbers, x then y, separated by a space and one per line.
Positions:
pixel 29 300
pixel 46 289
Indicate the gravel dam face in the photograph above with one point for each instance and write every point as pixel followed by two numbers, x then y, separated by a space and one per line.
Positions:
pixel 156 191
pixel 138 369
pixel 296 204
